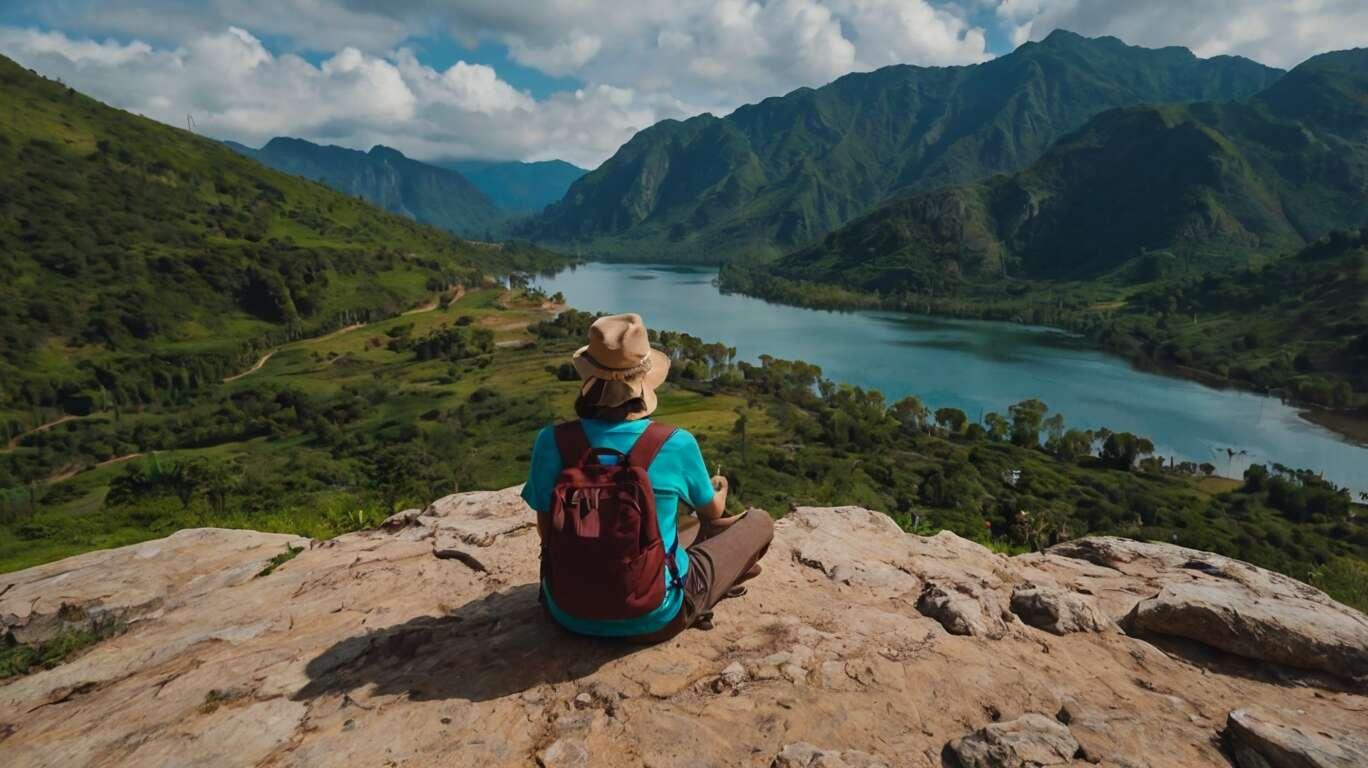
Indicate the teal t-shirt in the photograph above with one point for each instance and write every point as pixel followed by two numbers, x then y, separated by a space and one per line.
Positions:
pixel 677 474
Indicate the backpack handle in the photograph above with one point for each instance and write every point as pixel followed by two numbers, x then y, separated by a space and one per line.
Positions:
pixel 593 455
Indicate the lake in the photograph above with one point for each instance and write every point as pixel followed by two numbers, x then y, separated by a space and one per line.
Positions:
pixel 976 366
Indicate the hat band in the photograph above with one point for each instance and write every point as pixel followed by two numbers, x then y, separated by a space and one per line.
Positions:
pixel 619 374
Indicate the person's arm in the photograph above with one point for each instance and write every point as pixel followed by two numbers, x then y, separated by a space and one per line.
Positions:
pixel 707 495
pixel 712 516
pixel 541 477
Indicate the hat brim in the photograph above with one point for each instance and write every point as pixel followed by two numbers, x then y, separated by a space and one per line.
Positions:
pixel 649 379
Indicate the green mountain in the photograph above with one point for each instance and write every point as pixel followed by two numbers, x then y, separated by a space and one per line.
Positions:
pixel 440 197
pixel 1297 326
pixel 1199 185
pixel 141 262
pixel 787 170
pixel 516 186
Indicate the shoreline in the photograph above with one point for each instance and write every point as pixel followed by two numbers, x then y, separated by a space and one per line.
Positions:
pixel 1349 426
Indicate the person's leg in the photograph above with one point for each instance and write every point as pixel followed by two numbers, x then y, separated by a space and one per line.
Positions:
pixel 718 562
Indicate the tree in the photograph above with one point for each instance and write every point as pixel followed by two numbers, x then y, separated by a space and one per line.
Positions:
pixel 1027 418
pixel 407 470
pixel 911 413
pixel 998 427
pixel 1255 478
pixel 1073 444
pixel 739 429
pixel 952 420
pixel 1121 449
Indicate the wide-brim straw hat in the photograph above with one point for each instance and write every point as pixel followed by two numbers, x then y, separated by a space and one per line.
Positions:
pixel 619 353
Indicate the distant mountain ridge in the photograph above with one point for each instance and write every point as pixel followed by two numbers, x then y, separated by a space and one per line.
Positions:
pixel 439 197
pixel 785 171
pixel 1211 183
pixel 515 186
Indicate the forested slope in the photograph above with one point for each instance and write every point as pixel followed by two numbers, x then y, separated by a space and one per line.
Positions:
pixel 142 261
pixel 782 172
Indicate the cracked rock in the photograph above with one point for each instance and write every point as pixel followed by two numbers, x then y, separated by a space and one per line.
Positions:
pixel 1030 741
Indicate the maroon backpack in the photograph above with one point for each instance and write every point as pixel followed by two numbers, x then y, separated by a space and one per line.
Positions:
pixel 602 554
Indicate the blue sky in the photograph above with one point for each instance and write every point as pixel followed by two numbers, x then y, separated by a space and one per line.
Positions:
pixel 535 79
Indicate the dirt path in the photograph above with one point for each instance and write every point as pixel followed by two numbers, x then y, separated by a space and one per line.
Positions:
pixel 256 367
pixel 259 363
pixel 73 471
pixel 333 335
pixel 14 441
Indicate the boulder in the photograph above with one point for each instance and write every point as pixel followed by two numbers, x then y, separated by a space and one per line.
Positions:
pixel 1286 629
pixel 965 609
pixel 1058 611
pixel 1259 740
pixel 1030 741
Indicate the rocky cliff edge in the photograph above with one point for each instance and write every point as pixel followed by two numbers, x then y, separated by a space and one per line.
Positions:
pixel 421 643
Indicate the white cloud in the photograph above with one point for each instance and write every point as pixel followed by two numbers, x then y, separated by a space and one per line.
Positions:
pixel 562 57
pixel 636 62
pixel 235 88
pixel 1277 32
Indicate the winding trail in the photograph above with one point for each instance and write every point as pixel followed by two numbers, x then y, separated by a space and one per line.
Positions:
pixel 256 367
pixel 14 441
pixel 456 294
pixel 73 471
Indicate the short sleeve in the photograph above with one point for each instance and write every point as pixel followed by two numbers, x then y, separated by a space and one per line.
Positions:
pixel 698 489
pixel 541 478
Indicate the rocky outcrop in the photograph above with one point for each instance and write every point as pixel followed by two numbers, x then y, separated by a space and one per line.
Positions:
pixel 1258 740
pixel 421 643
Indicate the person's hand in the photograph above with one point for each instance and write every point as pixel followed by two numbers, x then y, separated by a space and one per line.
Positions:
pixel 711 528
pixel 719 483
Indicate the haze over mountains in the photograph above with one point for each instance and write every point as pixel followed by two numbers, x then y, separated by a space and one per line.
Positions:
pixel 780 173
pixel 468 197
pixel 518 186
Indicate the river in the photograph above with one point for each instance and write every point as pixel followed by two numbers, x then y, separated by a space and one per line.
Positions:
pixel 976 366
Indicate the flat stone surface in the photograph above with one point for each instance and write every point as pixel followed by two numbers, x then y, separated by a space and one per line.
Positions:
pixel 1261 740
pixel 370 649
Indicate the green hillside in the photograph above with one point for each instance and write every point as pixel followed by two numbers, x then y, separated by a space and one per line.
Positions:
pixel 1208 184
pixel 142 262
pixel 440 197
pixel 787 170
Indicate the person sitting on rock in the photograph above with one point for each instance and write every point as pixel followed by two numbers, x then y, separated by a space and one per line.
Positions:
pixel 607 488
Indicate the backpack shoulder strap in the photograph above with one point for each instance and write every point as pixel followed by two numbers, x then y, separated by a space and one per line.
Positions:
pixel 646 447
pixel 572 442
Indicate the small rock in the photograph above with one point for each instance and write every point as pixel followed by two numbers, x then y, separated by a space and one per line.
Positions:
pixel 1058 611
pixel 804 755
pixel 733 675
pixel 401 519
pixel 564 753
pixel 1030 741
pixel 1259 741
pixel 963 609
pixel 584 700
